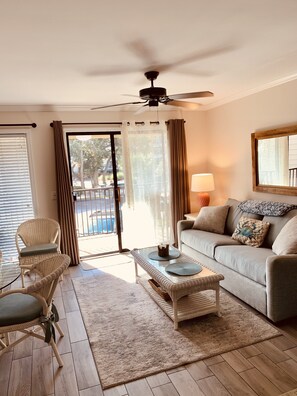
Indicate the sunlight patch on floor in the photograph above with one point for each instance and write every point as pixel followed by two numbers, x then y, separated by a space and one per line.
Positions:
pixel 119 265
pixel 108 260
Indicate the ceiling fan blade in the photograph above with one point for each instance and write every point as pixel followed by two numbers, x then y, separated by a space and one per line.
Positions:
pixel 142 109
pixel 142 50
pixel 196 56
pixel 115 105
pixel 147 54
pixel 180 103
pixel 193 57
pixel 131 96
pixel 112 71
pixel 202 94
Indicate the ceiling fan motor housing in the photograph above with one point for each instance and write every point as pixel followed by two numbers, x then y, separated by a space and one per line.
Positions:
pixel 152 93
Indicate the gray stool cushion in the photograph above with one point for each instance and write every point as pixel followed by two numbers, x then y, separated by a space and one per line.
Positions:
pixel 18 308
pixel 39 249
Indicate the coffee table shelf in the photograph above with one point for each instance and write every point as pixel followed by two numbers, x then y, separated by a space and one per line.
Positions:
pixel 188 307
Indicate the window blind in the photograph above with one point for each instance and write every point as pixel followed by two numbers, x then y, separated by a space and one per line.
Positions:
pixel 16 204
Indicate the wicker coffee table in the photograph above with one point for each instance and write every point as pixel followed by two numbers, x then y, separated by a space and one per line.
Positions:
pixel 186 298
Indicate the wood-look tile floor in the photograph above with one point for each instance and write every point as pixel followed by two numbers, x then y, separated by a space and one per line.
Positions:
pixel 267 368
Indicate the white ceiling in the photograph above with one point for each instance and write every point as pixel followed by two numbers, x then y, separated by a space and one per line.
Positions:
pixel 81 54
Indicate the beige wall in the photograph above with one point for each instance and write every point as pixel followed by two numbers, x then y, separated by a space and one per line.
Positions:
pixel 197 147
pixel 229 131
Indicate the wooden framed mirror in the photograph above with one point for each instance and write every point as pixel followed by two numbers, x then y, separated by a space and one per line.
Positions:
pixel 274 160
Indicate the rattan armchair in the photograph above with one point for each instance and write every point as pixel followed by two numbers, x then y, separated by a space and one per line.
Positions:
pixel 27 309
pixel 36 240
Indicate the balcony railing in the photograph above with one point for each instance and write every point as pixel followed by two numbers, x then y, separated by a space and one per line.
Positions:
pixel 95 210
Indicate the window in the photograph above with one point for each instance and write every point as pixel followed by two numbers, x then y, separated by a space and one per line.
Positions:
pixel 16 204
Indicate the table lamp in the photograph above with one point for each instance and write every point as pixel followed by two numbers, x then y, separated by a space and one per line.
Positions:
pixel 202 183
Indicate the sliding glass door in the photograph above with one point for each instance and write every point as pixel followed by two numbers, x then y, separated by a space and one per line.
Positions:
pixel 99 190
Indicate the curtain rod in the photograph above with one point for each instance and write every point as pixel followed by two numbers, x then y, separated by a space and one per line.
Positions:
pixel 33 125
pixel 89 123
pixel 105 123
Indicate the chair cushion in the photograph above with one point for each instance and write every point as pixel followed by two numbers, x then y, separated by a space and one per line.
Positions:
pixel 39 249
pixel 18 308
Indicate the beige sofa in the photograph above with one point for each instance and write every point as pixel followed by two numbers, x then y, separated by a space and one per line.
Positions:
pixel 264 280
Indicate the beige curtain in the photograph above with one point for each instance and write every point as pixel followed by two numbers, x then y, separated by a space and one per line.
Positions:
pixel 69 243
pixel 146 167
pixel 180 197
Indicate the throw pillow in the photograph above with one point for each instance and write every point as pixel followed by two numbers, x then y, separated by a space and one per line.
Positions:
pixel 250 232
pixel 286 241
pixel 212 219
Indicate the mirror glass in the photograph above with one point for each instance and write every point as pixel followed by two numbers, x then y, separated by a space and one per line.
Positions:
pixel 275 161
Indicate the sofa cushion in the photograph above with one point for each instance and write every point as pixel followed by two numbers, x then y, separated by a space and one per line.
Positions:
pixel 276 224
pixel 250 231
pixel 212 219
pixel 205 242
pixel 246 260
pixel 266 208
pixel 234 214
pixel 286 241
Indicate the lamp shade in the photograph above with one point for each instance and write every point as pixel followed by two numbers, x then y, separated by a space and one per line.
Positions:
pixel 202 182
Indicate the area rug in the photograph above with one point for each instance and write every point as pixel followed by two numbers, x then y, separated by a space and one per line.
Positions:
pixel 132 338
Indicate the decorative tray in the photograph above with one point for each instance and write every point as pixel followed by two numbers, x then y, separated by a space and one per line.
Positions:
pixel 173 254
pixel 183 269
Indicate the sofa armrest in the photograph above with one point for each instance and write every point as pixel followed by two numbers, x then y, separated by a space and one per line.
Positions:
pixel 183 225
pixel 281 282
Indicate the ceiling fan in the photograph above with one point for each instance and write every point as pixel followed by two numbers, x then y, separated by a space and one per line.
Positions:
pixel 152 96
